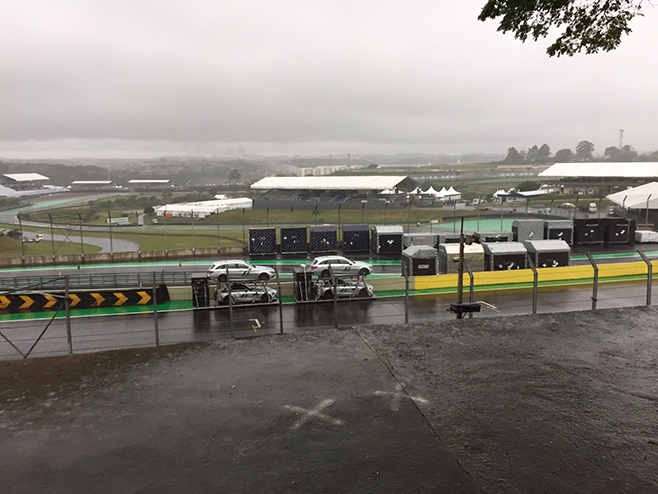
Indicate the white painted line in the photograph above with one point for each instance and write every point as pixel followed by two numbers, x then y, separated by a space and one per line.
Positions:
pixel 315 413
pixel 397 396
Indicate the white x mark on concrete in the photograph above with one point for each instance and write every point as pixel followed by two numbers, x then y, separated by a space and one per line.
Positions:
pixel 315 413
pixel 397 396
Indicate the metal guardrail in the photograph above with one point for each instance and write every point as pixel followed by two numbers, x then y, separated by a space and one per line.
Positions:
pixel 98 281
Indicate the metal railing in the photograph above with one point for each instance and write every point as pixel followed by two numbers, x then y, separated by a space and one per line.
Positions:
pixel 98 281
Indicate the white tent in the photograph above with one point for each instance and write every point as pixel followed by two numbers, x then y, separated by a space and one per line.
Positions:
pixel 453 194
pixel 431 192
pixel 637 197
pixel 417 190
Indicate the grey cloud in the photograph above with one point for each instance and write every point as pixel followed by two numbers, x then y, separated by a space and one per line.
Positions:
pixel 288 76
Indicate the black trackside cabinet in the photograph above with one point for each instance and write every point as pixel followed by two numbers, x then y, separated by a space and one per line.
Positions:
pixel 482 237
pixel 304 289
pixel 589 231
pixel 523 230
pixel 504 256
pixel 200 290
pixel 420 260
pixel 559 230
pixel 356 238
pixel 323 238
pixel 386 239
pixel 620 231
pixel 548 253
pixel 262 241
pixel 294 240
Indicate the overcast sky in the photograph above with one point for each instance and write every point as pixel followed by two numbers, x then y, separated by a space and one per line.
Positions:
pixel 128 78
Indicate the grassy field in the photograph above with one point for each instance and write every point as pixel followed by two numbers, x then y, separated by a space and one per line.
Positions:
pixel 12 248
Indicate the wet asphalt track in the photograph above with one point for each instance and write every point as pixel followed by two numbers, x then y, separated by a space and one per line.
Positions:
pixel 135 330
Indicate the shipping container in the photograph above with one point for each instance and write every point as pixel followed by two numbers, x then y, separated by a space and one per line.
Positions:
pixel 356 238
pixel 386 239
pixel 420 260
pixel 294 239
pixel 501 256
pixel 262 241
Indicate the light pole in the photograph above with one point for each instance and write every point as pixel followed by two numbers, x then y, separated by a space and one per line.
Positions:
pixel 431 215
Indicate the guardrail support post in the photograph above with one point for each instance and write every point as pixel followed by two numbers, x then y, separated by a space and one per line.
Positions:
pixel 472 287
pixel 278 289
pixel 535 283
pixel 595 289
pixel 334 282
pixel 406 293
pixel 69 337
pixel 230 300
pixel 155 310
pixel 649 275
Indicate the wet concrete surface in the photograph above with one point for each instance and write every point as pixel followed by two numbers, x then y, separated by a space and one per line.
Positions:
pixel 550 403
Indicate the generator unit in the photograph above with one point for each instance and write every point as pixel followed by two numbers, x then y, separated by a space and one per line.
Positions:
pixel 502 256
pixel 294 240
pixel 448 238
pixel 589 231
pixel 200 290
pixel 419 260
pixel 548 253
pixel 304 289
pixel 323 238
pixel 559 230
pixel 449 257
pixel 619 231
pixel 523 230
pixel 386 239
pixel 409 239
pixel 481 237
pixel 356 238
pixel 262 241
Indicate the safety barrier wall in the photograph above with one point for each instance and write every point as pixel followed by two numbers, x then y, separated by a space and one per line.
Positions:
pixel 37 302
pixel 567 274
pixel 152 255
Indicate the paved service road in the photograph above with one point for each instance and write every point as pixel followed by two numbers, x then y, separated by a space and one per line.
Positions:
pixel 124 330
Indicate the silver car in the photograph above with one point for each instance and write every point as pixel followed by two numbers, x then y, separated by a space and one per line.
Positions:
pixel 245 294
pixel 239 271
pixel 345 289
pixel 340 265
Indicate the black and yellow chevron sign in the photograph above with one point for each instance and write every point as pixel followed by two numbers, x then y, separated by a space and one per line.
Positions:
pixel 36 302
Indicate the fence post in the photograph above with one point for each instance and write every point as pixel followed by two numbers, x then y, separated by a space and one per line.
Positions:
pixel 470 293
pixel 535 282
pixel 649 275
pixel 230 301
pixel 278 289
pixel 69 337
pixel 155 310
pixel 334 282
pixel 595 289
pixel 406 292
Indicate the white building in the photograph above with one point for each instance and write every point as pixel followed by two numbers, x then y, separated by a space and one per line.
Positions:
pixel 202 209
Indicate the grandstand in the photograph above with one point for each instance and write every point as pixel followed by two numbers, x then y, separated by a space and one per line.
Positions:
pixel 346 192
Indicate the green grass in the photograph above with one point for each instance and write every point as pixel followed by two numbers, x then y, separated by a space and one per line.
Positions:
pixel 12 248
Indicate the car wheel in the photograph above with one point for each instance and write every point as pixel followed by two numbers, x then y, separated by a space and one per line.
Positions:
pixel 364 272
pixel 226 300
pixel 264 298
pixel 328 295
pixel 221 278
pixel 363 293
pixel 325 274
pixel 263 277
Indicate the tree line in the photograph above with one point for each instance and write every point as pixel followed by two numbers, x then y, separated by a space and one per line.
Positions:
pixel 584 152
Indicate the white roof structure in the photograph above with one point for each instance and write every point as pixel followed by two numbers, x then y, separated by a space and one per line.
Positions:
pixel 431 192
pixel 417 190
pixel 25 177
pixel 149 181
pixel 202 209
pixel 603 170
pixel 91 182
pixel 637 197
pixel 365 182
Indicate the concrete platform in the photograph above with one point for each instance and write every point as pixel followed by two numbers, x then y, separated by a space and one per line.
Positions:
pixel 558 403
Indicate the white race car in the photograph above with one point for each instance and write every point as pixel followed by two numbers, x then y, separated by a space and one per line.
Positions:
pixel 340 266
pixel 245 294
pixel 239 271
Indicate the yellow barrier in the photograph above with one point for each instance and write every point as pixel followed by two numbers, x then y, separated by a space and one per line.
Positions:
pixel 565 273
